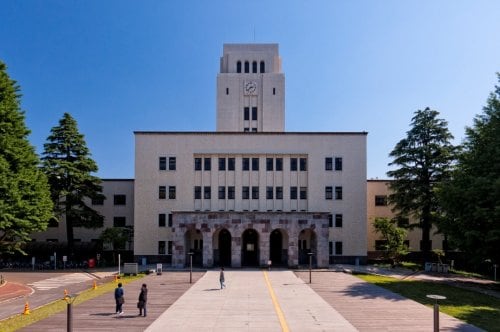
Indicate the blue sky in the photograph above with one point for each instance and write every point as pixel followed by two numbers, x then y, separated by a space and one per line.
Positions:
pixel 121 66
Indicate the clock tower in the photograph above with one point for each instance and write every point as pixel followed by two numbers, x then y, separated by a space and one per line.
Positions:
pixel 250 89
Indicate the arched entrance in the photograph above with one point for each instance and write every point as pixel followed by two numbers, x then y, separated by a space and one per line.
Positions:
pixel 222 253
pixel 250 248
pixel 278 247
pixel 193 242
pixel 307 244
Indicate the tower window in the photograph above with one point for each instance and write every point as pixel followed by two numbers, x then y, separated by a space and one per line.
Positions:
pixel 227 91
pixel 254 67
pixel 238 67
pixel 254 113
pixel 231 164
pixel 246 113
pixel 269 164
pixel 262 67
pixel 247 67
pixel 274 91
pixel 279 164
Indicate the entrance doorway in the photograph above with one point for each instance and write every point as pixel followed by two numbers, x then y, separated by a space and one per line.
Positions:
pixel 224 248
pixel 250 248
pixel 193 242
pixel 278 253
pixel 307 244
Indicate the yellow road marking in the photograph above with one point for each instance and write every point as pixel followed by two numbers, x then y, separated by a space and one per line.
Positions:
pixel 281 317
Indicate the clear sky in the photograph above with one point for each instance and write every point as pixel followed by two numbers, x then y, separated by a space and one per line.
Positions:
pixel 122 66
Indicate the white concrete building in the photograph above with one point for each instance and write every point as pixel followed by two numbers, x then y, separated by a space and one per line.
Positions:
pixel 250 192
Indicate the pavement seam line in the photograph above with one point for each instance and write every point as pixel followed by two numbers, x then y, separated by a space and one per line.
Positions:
pixel 279 312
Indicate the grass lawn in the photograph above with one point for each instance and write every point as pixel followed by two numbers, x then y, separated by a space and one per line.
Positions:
pixel 472 307
pixel 19 321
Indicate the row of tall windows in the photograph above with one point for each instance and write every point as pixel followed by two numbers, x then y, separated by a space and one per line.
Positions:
pixel 248 192
pixel 119 199
pixel 330 162
pixel 162 220
pixel 262 67
pixel 247 164
pixel 246 113
pixel 330 191
pixel 163 165
pixel 162 192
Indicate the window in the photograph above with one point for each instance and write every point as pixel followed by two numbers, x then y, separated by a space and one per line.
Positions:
pixel 245 164
pixel 274 91
pixel 227 91
pixel 279 192
pixel 207 164
pixel 330 248
pixel 262 67
pixel 380 244
pixel 338 220
pixel 338 164
pixel 120 199
pixel 380 200
pixel 53 223
pixel 222 192
pixel 161 247
pixel 230 164
pixel 197 192
pixel 171 192
pixel 303 192
pixel 230 192
pixel 162 163
pixel 293 164
pixel 254 67
pixel 197 164
pixel 245 193
pixel 338 248
pixel 247 67
pixel 170 245
pixel 162 220
pixel 238 67
pixel 162 192
pixel 118 221
pixel 254 130
pixel 328 163
pixel 293 192
pixel 254 113
pixel 338 193
pixel 246 113
pixel 207 192
pixel 303 164
pixel 222 164
pixel 172 163
pixel 279 164
pixel 269 164
pixel 255 164
pixel 170 220
pixel 246 130
pixel 269 192
pixel 330 221
pixel 328 192
pixel 255 192
pixel 402 221
pixel 98 200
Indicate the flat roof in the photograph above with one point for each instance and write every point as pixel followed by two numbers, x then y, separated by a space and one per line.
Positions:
pixel 263 133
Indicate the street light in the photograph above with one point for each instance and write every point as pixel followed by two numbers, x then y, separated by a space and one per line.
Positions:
pixel 436 309
pixel 70 298
pixel 190 267
pixel 310 265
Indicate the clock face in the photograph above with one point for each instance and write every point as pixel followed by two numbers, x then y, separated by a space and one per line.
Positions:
pixel 250 88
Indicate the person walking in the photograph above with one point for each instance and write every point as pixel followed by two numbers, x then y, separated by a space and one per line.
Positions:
pixel 143 299
pixel 221 278
pixel 119 299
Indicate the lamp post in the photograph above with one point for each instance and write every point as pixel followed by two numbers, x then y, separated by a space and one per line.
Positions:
pixel 190 267
pixel 436 309
pixel 70 298
pixel 310 266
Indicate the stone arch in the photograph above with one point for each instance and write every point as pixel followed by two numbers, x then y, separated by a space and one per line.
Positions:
pixel 193 242
pixel 307 243
pixel 278 247
pixel 250 251
pixel 222 247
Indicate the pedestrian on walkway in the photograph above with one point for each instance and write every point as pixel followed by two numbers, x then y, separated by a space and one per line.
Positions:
pixel 143 299
pixel 221 278
pixel 119 299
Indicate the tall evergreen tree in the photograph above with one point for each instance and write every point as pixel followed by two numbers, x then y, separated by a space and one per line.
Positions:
pixel 471 198
pixel 69 167
pixel 423 159
pixel 25 204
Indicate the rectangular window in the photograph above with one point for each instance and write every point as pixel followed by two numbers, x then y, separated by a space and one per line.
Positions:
pixel 231 164
pixel 245 165
pixel 303 192
pixel 172 161
pixel 255 164
pixel 403 222
pixel 162 220
pixel 338 164
pixel 53 222
pixel 197 164
pixel 161 247
pixel 293 164
pixel 246 130
pixel 338 193
pixel 170 246
pixel 303 164
pixel 227 91
pixel 338 220
pixel 207 164
pixel 279 164
pixel 197 192
pixel 222 192
pixel 293 192
pixel 255 192
pixel 274 91
pixel 246 113
pixel 207 192
pixel 279 192
pixel 222 164
pixel 118 221
pixel 254 130
pixel 230 192
pixel 380 244
pixel 171 192
pixel 338 248
pixel 330 221
pixel 254 113
pixel 162 163
pixel 162 192
pixel 120 199
pixel 269 164
pixel 330 248
pixel 380 200
pixel 328 163
pixel 245 192
pixel 269 192
pixel 98 200
pixel 170 220
pixel 328 192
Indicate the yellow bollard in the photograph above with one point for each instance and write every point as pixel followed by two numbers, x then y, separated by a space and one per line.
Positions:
pixel 95 285
pixel 26 309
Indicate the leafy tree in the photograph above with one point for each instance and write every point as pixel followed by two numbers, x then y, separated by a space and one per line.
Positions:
pixel 471 198
pixel 25 204
pixel 394 237
pixel 424 160
pixel 69 168
pixel 116 236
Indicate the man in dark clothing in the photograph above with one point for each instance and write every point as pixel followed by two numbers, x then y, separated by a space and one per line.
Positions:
pixel 143 299
pixel 119 299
